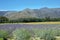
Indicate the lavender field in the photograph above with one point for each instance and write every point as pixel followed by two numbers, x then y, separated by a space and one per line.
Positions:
pixel 29 26
pixel 51 30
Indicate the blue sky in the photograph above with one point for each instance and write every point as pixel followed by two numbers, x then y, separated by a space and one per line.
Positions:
pixel 33 4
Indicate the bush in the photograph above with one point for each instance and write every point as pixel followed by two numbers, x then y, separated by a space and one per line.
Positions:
pixel 21 34
pixel 4 34
pixel 47 34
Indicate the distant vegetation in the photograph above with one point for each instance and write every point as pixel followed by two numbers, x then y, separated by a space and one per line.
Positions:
pixel 3 19
pixel 46 19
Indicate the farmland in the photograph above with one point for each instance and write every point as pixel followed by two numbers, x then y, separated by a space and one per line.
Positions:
pixel 39 25
pixel 37 28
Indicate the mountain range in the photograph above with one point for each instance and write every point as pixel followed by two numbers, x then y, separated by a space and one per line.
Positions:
pixel 28 13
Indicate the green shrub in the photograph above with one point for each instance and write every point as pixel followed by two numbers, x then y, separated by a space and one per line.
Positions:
pixel 3 34
pixel 47 34
pixel 21 34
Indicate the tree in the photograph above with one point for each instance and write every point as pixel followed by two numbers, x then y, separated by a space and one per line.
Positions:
pixel 3 19
pixel 47 18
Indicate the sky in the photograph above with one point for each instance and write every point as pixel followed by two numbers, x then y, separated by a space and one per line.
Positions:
pixel 32 4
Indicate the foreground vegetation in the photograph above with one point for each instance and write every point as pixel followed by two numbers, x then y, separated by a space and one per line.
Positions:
pixel 33 34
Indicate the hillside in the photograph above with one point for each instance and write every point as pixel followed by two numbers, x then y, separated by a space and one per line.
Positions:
pixel 38 13
pixel 3 13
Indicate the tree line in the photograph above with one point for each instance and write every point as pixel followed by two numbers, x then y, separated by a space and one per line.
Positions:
pixel 46 19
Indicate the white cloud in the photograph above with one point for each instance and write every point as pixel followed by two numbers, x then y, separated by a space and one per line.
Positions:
pixel 3 10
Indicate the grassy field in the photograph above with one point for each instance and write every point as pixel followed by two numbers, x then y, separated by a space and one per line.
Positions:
pixel 44 23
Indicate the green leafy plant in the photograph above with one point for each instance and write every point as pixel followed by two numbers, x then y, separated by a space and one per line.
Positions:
pixel 21 34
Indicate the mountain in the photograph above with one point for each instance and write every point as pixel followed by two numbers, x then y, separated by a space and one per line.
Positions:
pixel 3 13
pixel 26 13
pixel 38 13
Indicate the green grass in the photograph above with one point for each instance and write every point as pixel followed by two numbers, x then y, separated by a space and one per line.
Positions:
pixel 1 38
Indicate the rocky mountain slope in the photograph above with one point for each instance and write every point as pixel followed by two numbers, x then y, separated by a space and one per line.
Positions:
pixel 38 13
